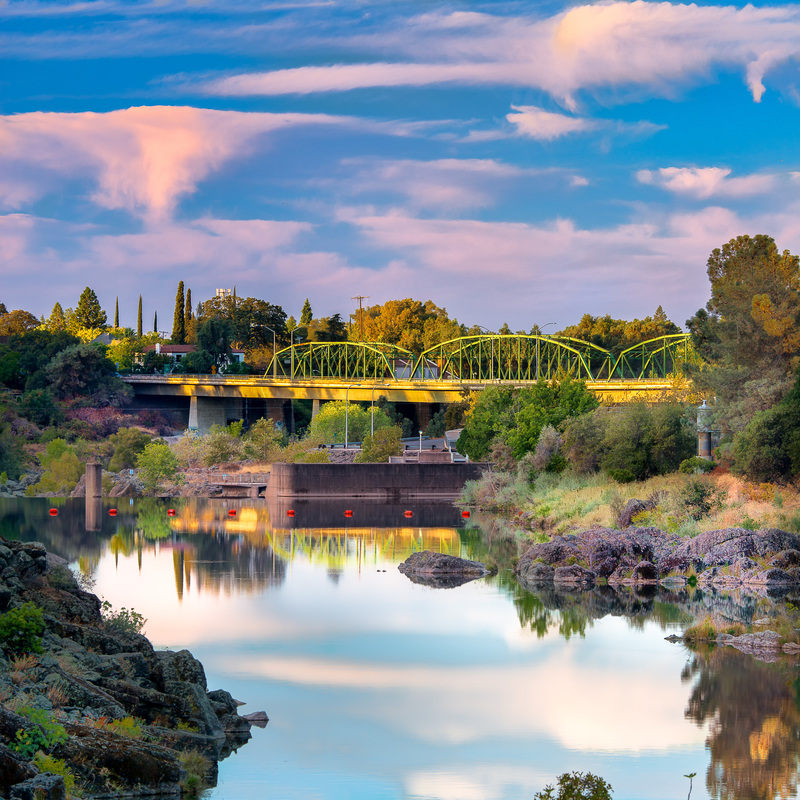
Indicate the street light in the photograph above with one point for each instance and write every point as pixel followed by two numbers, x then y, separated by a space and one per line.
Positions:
pixel 274 348
pixel 420 441
pixel 346 421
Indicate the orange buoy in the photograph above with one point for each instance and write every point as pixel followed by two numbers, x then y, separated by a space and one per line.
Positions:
pixel 232 512
pixel 290 512
pixel 112 512
pixel 53 512
pixel 409 513
pixel 465 514
pixel 171 512
pixel 348 513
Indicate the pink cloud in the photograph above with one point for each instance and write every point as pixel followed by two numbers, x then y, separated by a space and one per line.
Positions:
pixel 537 123
pixel 706 182
pixel 140 159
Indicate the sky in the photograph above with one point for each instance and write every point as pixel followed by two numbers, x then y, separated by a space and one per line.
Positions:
pixel 518 162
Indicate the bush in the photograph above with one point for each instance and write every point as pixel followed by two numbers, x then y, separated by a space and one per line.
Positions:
pixel 223 444
pixel 262 442
pixel 699 497
pixel 577 786
pixel 126 620
pixel 377 449
pixel 768 449
pixel 62 468
pixel 621 475
pixel 127 443
pixel 696 464
pixel 150 418
pixel 21 629
pixel 547 456
pixel 56 766
pixel 45 734
pixel 329 425
pixel 157 463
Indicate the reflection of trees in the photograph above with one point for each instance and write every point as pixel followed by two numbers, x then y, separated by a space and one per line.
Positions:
pixel 754 724
pixel 151 518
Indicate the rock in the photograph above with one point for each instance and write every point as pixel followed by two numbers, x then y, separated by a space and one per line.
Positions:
pixel 258 718
pixel 762 621
pixel 574 574
pixel 42 787
pixel 673 582
pixel 631 509
pixel 427 564
pixel 753 643
pixel 645 572
pixel 785 559
pixel 13 769
pixel 791 647
pixel 538 573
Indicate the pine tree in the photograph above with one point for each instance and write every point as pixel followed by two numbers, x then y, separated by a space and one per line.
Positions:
pixel 89 314
pixel 178 318
pixel 188 313
pixel 155 321
pixel 139 318
pixel 116 313
pixel 306 315
pixel 57 321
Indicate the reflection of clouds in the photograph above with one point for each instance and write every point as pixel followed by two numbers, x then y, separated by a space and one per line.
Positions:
pixel 564 697
pixel 485 782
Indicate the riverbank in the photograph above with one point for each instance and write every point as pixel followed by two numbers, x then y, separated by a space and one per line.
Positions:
pixel 87 705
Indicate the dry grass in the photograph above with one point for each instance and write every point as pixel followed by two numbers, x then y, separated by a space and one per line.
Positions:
pixel 562 503
pixel 58 695
pixel 21 667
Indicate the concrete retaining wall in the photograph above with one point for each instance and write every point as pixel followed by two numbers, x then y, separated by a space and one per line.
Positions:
pixel 384 481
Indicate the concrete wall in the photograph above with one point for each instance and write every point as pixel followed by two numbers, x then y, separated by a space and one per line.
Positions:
pixel 205 412
pixel 386 481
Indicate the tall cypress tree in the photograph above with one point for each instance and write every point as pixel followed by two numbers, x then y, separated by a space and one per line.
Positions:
pixel 139 318
pixel 178 321
pixel 187 317
pixel 116 313
pixel 306 315
pixel 155 321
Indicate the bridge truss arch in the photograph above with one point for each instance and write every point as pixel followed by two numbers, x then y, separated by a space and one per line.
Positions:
pixel 343 360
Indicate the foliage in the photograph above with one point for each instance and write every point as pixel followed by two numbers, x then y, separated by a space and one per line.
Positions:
pixel 56 766
pixel 695 464
pixel 329 425
pixel 56 321
pixel 12 454
pixel 214 340
pixel 84 371
pixel 435 429
pixel 577 786
pixel 547 456
pixel 377 448
pixel 126 620
pixel 306 314
pixel 21 629
pixel 128 443
pixel 197 768
pixel 411 324
pixel 62 467
pixel 88 313
pixel 583 441
pixel 617 335
pixel 17 321
pixel 223 444
pixel 247 321
pixel 179 317
pixel 699 497
pixel 262 441
pixel 621 475
pixel 40 407
pixel 190 450
pixel 44 735
pixel 24 356
pixel 156 463
pixel 518 415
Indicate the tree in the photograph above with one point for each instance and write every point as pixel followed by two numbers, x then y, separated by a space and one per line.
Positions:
pixel 116 312
pixel 187 317
pixel 25 355
pixel 329 424
pixel 577 786
pixel 17 321
pixel 57 321
pixel 306 315
pixel 155 322
pixel 84 371
pixel 249 320
pixel 88 313
pixel 377 448
pixel 214 339
pixel 749 332
pixel 3 309
pixel 179 317
pixel 157 463
pixel 127 443
pixel 139 318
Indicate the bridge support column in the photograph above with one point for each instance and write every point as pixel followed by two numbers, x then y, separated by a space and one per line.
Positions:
pixel 205 412
pixel 424 414
pixel 314 407
pixel 234 408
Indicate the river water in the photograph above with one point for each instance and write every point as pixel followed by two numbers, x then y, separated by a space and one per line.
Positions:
pixel 378 687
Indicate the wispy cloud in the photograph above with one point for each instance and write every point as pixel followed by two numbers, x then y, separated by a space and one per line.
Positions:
pixel 537 123
pixel 660 46
pixel 706 182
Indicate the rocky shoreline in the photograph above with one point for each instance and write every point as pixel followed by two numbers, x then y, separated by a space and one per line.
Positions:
pixel 113 714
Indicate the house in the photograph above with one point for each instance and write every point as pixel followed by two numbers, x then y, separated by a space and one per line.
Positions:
pixel 177 351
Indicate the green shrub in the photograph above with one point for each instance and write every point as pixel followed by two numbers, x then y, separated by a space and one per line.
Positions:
pixel 126 620
pixel 21 629
pixel 56 766
pixel 222 445
pixel 62 468
pixel 127 443
pixel 157 463
pixel 699 497
pixel 577 786
pixel 130 727
pixel 621 475
pixel 377 449
pixel 45 734
pixel 696 464
pixel 197 768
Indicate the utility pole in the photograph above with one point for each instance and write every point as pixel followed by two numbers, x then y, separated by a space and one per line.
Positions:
pixel 361 297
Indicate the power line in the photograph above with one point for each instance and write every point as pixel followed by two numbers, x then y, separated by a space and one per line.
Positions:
pixel 361 297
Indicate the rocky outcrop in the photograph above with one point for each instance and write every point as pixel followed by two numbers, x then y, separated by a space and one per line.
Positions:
pixel 762 561
pixel 129 711
pixel 440 570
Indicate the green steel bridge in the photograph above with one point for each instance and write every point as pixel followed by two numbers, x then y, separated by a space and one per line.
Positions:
pixel 363 371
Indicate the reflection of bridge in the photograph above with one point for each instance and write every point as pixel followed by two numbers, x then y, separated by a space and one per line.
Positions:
pixel 361 371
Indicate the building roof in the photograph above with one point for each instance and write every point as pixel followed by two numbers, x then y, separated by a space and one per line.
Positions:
pixel 168 349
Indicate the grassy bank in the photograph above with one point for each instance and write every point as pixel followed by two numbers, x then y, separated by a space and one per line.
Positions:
pixel 687 505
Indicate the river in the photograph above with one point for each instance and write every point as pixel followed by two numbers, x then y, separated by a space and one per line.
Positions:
pixel 377 687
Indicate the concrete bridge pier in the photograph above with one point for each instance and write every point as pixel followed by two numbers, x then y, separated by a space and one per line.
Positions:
pixel 205 412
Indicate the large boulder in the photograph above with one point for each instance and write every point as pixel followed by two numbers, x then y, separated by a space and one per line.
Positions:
pixel 440 570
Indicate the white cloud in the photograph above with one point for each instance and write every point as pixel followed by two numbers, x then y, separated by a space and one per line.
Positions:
pixel 537 123
pixel 706 182
pixel 660 46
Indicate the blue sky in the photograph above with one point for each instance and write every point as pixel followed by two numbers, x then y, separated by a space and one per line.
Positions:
pixel 520 162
